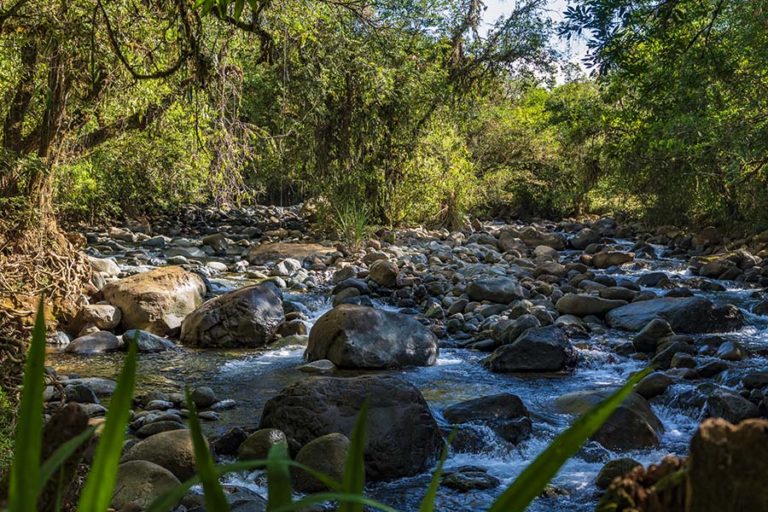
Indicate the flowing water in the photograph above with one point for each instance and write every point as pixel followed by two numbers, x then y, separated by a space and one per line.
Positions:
pixel 253 377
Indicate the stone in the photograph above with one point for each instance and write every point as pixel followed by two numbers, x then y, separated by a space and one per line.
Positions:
pixel 156 427
pixel 544 349
pixel 384 273
pixel 533 237
pixel 203 397
pixel 96 343
pixel 80 393
pixel 354 336
pixel 617 293
pixel 583 305
pixel 469 478
pixel 321 366
pixel 217 242
pixel 258 444
pixel 685 315
pixel 509 332
pixel 247 317
pixel 263 253
pixel 139 483
pixel 755 380
pixel 495 289
pixel 147 342
pixel 584 238
pixel 104 317
pixel 156 301
pixel 172 450
pixel 403 437
pixel 615 468
pixel 647 340
pixel 731 350
pixel 653 385
pixel 106 266
pixel 605 259
pixel 729 406
pixel 229 442
pixel 632 426
pixel 504 413
pixel 727 466
pixel 654 280
pixel 326 454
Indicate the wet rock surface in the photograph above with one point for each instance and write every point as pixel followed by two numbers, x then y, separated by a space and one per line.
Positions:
pixel 469 318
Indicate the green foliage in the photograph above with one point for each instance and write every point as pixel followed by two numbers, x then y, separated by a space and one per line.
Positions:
pixel 97 493
pixel 6 434
pixel 279 478
pixel 536 150
pixel 25 472
pixel 351 222
pixel 686 131
pixel 437 185
pixel 214 494
pixel 354 466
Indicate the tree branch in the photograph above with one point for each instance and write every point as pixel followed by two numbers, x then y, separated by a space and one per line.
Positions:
pixel 138 121
pixel 121 56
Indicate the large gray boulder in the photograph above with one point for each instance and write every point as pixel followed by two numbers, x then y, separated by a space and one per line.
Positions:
pixel 247 317
pixel 140 482
pixel 495 289
pixel 403 436
pixel 95 343
pixel 171 449
pixel 583 305
pixel 632 426
pixel 684 314
pixel 504 413
pixel 543 349
pixel 353 336
pixel 156 301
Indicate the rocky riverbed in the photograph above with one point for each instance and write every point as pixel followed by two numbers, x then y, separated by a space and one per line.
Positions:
pixel 505 331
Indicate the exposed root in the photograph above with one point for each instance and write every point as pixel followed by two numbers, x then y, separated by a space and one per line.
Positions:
pixel 36 260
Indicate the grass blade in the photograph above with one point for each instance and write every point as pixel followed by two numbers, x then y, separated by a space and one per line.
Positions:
pixel 97 494
pixel 170 499
pixel 278 478
pixel 354 467
pixel 213 492
pixel 25 472
pixel 537 475
pixel 63 453
pixel 428 503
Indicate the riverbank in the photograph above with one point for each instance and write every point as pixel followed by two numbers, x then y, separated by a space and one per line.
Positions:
pixel 544 315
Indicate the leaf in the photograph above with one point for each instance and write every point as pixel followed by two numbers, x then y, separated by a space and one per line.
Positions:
pixel 25 472
pixel 207 6
pixel 278 478
pixel 428 503
pixel 239 4
pixel 97 494
pixel 214 494
pixel 63 453
pixel 537 475
pixel 170 499
pixel 354 467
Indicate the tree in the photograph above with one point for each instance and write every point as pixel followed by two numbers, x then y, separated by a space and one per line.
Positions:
pixel 688 132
